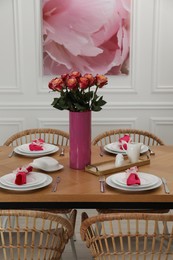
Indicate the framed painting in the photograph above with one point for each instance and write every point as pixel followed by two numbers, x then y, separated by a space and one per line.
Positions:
pixel 90 36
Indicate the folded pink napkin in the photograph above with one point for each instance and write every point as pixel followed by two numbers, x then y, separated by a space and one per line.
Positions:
pixel 21 174
pixel 133 178
pixel 36 145
pixel 125 138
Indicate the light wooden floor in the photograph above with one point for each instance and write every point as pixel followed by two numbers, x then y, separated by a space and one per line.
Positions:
pixel 82 251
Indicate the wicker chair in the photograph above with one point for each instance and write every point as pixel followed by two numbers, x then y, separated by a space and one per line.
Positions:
pixel 131 236
pixel 34 234
pixel 49 135
pixel 144 137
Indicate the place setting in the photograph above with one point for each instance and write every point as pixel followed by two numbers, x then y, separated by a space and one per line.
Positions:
pixel 133 180
pixel 25 179
pixel 120 146
pixel 36 148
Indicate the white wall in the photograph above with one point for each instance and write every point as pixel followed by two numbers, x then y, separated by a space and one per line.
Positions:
pixel 142 100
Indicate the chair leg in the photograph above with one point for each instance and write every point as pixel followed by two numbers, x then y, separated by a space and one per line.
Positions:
pixel 72 242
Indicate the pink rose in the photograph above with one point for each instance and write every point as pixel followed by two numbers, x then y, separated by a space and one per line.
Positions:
pixel 90 78
pixel 101 80
pixel 75 74
pixel 56 84
pixel 86 36
pixel 72 83
pixel 83 83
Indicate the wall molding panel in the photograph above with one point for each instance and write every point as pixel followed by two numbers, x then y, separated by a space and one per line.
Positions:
pixel 49 122
pixel 112 122
pixel 156 87
pixel 16 88
pixel 161 121
pixel 19 122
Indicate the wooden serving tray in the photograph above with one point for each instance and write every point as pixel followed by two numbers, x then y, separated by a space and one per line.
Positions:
pixel 109 166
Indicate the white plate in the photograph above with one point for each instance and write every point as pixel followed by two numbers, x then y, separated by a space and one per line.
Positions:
pixel 24 148
pixel 114 148
pixel 130 188
pixel 33 179
pixel 16 150
pixel 44 184
pixel 146 179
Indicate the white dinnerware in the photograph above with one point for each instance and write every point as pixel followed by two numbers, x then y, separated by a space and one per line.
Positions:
pixel 114 148
pixel 35 180
pixel 25 151
pixel 119 160
pixel 133 151
pixel 47 164
pixel 148 182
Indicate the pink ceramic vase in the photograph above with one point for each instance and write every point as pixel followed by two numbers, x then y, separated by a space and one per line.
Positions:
pixel 80 139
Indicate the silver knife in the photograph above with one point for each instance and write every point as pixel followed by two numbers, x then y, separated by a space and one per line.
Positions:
pixel 54 187
pixel 165 185
pixel 102 184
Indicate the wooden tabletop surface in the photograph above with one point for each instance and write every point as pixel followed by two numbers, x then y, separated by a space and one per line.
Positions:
pixel 80 188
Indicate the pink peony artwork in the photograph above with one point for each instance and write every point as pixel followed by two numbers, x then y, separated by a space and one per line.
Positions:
pixel 90 36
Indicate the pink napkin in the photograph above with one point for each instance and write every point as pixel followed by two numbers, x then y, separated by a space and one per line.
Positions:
pixel 133 178
pixel 125 138
pixel 21 174
pixel 36 145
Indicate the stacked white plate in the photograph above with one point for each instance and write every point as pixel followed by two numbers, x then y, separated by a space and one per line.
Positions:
pixel 115 148
pixel 47 149
pixel 148 182
pixel 35 180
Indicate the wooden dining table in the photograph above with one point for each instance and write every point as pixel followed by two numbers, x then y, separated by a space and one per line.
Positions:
pixel 81 189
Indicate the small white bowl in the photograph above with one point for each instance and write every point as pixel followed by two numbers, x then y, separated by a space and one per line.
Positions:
pixel 47 164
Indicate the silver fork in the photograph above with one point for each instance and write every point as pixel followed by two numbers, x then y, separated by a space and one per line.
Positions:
pixel 101 150
pixel 62 152
pixel 55 185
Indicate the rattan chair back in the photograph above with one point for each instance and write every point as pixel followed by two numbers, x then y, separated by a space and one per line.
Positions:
pixel 141 136
pixel 49 135
pixel 126 236
pixel 34 235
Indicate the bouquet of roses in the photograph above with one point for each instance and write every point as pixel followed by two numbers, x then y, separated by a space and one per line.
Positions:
pixel 78 93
